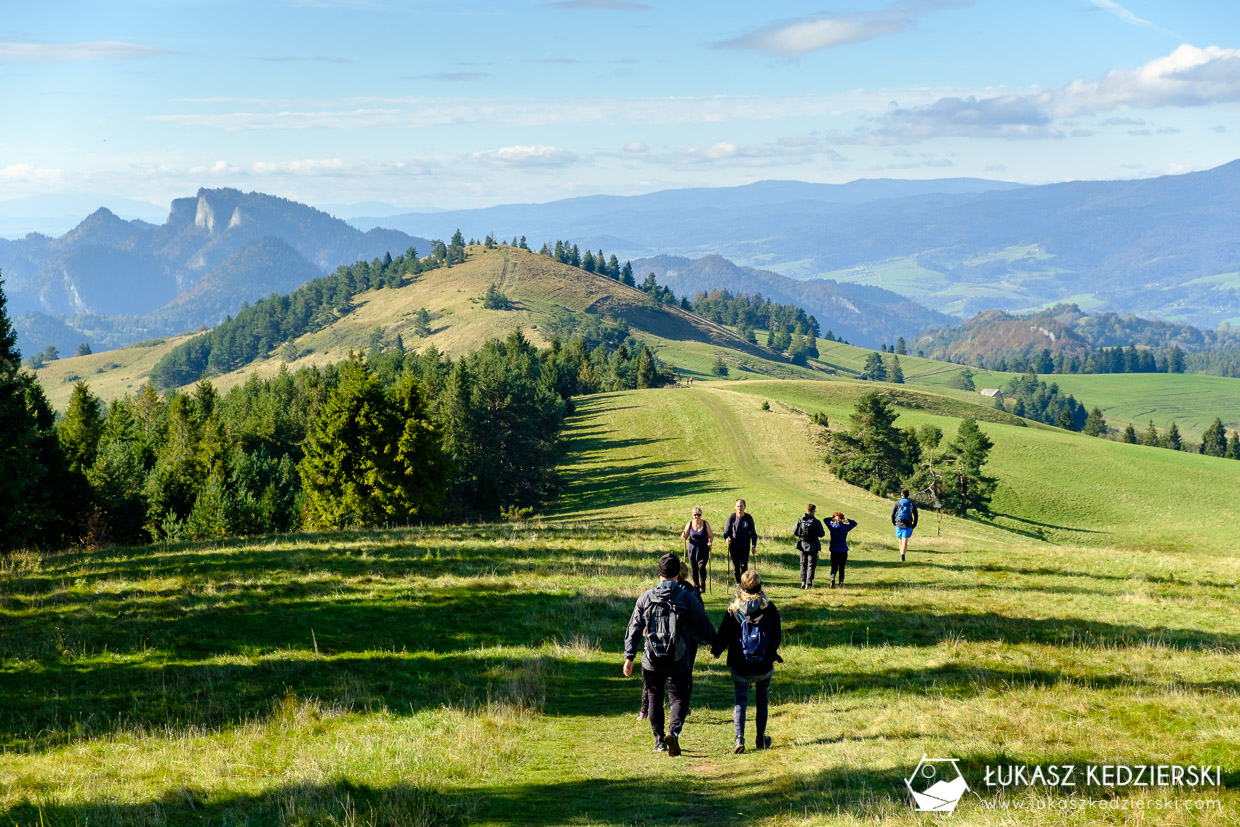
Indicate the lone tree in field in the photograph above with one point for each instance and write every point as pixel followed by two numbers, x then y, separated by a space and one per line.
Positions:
pixel 874 453
pixel 371 457
pixel 967 488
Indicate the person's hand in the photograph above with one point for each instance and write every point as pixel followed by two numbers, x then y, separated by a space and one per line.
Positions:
pixel 628 667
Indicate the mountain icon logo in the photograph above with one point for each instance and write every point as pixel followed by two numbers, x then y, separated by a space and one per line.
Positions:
pixel 936 785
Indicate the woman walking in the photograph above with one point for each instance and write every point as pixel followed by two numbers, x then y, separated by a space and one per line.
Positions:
pixel 701 540
pixel 750 631
pixel 838 527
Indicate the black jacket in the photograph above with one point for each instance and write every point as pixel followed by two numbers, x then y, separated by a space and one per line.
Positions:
pixel 742 532
pixel 810 534
pixel 697 627
pixel 729 637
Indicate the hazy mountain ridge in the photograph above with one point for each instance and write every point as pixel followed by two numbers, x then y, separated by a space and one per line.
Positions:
pixel 217 250
pixel 1161 247
pixel 1066 329
pixel 866 316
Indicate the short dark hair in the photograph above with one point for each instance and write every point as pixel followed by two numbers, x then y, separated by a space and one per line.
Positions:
pixel 903 492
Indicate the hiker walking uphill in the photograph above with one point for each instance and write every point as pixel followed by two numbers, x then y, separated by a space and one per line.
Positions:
pixel 808 532
pixel 700 539
pixel 839 526
pixel 904 518
pixel 742 538
pixel 683 579
pixel 751 632
pixel 674 622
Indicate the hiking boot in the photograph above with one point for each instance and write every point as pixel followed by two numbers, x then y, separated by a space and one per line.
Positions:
pixel 739 746
pixel 673 745
pixel 764 742
pixel 659 746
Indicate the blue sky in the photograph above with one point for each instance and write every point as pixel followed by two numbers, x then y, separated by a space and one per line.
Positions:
pixel 465 103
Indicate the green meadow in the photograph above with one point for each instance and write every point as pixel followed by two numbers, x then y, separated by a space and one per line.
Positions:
pixel 471 674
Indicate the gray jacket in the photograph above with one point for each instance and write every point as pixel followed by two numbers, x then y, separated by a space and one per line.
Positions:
pixel 696 626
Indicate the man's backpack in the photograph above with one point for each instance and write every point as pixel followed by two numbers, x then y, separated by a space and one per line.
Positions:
pixel 665 638
pixel 753 639
pixel 904 511
pixel 805 531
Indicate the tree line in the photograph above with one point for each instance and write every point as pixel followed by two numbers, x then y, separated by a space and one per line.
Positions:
pixel 390 438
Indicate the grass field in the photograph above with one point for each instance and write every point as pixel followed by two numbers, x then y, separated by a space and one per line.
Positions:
pixel 471 674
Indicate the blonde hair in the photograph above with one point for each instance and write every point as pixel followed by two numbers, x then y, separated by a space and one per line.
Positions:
pixel 750 589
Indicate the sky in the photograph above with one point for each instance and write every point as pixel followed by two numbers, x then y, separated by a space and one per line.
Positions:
pixel 454 104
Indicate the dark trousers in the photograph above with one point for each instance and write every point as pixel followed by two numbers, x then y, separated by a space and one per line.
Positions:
pixel 741 699
pixel 838 559
pixel 679 690
pixel 809 564
pixel 740 560
pixel 697 565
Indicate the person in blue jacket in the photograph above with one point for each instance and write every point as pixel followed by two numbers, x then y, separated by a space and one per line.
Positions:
pixel 904 518
pixel 838 527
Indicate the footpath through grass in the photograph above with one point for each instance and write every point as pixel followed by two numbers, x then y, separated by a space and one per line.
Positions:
pixel 471 674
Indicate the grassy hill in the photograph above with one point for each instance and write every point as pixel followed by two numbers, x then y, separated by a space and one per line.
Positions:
pixel 471 674
pixel 547 297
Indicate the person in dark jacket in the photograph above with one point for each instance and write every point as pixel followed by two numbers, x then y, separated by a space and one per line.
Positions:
pixel 674 622
pixel 839 526
pixel 750 604
pixel 904 518
pixel 683 580
pixel 809 532
pixel 742 538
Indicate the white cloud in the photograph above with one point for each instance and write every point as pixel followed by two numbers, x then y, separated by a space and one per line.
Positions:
pixel 1189 76
pixel 801 36
pixel 28 52
pixel 1127 16
pixel 528 156
pixel 29 174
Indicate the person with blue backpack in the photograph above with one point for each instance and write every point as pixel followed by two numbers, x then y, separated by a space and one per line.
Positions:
pixel 904 518
pixel 674 622
pixel 751 632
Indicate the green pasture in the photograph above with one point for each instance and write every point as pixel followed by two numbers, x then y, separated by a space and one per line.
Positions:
pixel 471 674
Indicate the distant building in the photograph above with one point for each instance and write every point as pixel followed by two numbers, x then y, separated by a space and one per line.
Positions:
pixel 991 392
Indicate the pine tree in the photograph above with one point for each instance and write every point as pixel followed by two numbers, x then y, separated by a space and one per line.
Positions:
pixel 873 454
pixel 894 372
pixel 900 347
pixel 1171 439
pixel 1151 438
pixel 1095 425
pixel 968 489
pixel 1214 439
pixel 81 428
pixel 1130 435
pixel 1175 360
pixel 1233 446
pixel 720 368
pixel 874 368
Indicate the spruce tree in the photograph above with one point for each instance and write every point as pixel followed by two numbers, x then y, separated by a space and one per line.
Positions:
pixel 1214 439
pixel 1233 446
pixel 1151 438
pixel 1171 439
pixel 81 428
pixel 1095 424
pixel 1130 435
pixel 894 372
pixel 873 453
pixel 968 489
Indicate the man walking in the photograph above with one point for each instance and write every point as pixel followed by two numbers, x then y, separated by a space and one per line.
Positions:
pixel 904 518
pixel 809 532
pixel 742 538
pixel 674 624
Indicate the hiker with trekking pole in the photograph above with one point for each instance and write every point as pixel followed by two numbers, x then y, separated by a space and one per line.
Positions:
pixel 742 538
pixel 699 540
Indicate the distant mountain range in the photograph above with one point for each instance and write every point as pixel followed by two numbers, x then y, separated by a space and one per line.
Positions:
pixel 216 250
pixel 1164 247
pixel 865 316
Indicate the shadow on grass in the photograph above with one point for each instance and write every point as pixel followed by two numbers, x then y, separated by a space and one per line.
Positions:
pixel 744 793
